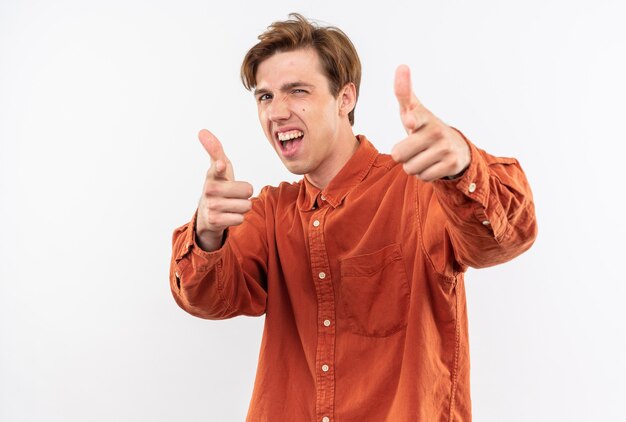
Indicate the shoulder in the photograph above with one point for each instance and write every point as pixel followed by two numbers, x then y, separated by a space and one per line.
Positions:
pixel 284 191
pixel 386 170
pixel 397 182
pixel 384 162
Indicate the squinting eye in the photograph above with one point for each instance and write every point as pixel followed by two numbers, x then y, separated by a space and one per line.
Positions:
pixel 264 97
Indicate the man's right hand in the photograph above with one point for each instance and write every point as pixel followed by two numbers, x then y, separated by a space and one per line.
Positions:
pixel 224 201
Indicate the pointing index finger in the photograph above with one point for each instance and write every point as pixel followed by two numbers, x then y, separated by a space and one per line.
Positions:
pixel 403 90
pixel 212 145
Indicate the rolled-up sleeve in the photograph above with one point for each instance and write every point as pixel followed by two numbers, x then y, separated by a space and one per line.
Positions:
pixel 490 210
pixel 223 283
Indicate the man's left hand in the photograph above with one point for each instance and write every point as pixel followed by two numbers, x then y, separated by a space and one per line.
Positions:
pixel 432 150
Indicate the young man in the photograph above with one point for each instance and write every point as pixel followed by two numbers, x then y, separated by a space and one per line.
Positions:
pixel 358 267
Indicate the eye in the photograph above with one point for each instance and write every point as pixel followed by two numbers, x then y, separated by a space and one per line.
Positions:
pixel 264 97
pixel 299 91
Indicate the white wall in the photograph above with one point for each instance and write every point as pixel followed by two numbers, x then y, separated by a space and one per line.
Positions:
pixel 100 103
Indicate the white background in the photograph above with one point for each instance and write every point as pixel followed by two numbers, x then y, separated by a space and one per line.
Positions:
pixel 100 104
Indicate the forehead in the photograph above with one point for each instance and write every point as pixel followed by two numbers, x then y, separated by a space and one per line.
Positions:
pixel 289 66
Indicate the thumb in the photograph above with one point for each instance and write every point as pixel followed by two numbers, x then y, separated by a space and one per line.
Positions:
pixel 403 89
pixel 219 160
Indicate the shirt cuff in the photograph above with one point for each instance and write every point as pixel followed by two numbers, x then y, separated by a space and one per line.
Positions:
pixel 472 185
pixel 469 201
pixel 190 254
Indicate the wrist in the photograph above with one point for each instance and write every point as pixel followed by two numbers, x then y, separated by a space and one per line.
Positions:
pixel 209 240
pixel 456 176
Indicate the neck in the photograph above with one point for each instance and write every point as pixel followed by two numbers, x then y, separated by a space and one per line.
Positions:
pixel 322 177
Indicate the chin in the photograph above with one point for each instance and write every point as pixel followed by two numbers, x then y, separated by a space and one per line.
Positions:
pixel 296 168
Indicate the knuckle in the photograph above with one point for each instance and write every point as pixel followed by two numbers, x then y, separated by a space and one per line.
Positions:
pixel 213 205
pixel 399 152
pixel 211 188
pixel 438 132
pixel 211 173
pixel 213 219
pixel 447 150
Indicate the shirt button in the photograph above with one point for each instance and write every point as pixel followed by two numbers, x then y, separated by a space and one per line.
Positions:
pixel 322 197
pixel 486 223
pixel 325 419
pixel 325 368
pixel 322 275
pixel 316 223
pixel 327 323
pixel 472 187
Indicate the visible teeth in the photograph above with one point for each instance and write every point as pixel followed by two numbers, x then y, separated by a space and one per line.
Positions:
pixel 287 136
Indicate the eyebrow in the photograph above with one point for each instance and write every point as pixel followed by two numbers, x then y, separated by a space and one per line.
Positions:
pixel 285 87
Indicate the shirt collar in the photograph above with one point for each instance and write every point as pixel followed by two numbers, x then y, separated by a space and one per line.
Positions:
pixel 350 175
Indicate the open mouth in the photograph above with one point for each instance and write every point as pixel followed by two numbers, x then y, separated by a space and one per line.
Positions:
pixel 289 140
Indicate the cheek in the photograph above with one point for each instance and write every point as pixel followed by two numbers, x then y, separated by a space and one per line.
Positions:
pixel 262 112
pixel 263 120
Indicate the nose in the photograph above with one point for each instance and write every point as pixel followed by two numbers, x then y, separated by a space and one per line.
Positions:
pixel 279 109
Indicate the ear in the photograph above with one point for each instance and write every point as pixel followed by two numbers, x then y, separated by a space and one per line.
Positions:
pixel 347 99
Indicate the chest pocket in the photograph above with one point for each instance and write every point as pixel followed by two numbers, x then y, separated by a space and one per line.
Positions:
pixel 374 291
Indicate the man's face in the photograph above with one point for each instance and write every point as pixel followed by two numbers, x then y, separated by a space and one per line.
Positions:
pixel 300 117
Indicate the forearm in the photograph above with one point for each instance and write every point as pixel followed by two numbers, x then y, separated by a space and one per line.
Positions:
pixel 490 211
pixel 212 285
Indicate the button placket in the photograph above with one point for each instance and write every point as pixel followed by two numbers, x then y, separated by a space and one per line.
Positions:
pixel 316 223
pixel 324 289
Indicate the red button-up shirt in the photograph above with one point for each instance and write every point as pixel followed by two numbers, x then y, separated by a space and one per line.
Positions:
pixel 361 285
